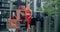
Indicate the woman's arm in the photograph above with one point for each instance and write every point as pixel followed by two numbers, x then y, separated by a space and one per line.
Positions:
pixel 18 19
pixel 19 11
pixel 31 12
pixel 28 5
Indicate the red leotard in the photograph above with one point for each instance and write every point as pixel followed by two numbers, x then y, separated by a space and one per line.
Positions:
pixel 27 17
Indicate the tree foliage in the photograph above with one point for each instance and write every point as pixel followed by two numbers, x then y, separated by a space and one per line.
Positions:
pixel 58 6
pixel 50 7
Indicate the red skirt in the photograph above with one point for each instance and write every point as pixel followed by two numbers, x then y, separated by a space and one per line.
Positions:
pixel 28 19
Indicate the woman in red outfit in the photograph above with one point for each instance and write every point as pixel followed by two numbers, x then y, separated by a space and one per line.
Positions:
pixel 27 15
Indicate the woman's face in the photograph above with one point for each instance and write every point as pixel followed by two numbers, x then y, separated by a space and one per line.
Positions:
pixel 18 7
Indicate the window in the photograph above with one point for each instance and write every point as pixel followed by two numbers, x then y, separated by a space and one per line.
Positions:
pixel 23 0
pixel 4 0
pixel 4 19
pixel 38 3
pixel 0 0
pixel 2 5
pixel 5 14
pixel 5 5
pixel 28 0
pixel 37 14
pixel 0 15
pixel 2 26
pixel 0 12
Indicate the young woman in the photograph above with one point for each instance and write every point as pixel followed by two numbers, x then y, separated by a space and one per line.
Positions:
pixel 27 15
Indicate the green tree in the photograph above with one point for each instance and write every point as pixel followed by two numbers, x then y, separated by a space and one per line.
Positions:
pixel 49 8
pixel 58 6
